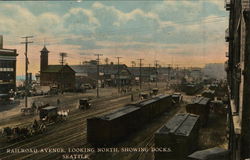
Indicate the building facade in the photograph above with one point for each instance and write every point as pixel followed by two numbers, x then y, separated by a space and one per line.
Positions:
pixel 147 74
pixel 109 74
pixel 238 77
pixel 60 76
pixel 7 69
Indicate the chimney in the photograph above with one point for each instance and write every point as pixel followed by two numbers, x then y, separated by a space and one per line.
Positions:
pixel 1 41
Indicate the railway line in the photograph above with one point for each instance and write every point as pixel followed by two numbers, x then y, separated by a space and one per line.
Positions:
pixel 70 133
pixel 63 133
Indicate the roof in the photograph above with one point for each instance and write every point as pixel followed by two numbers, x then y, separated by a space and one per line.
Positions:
pixel 49 108
pixel 120 112
pixel 201 100
pixel 145 71
pixel 106 69
pixel 45 49
pixel 8 52
pixel 181 124
pixel 211 153
pixel 56 68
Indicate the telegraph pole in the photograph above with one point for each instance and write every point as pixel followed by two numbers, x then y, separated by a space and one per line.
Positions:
pixel 156 64
pixel 149 68
pixel 118 72
pixel 97 86
pixel 26 42
pixel 140 73
pixel 169 71
pixel 62 61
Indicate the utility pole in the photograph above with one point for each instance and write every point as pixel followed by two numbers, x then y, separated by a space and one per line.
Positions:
pixel 62 58
pixel 26 42
pixel 156 79
pixel 149 79
pixel 62 61
pixel 118 72
pixel 97 84
pixel 169 71
pixel 140 73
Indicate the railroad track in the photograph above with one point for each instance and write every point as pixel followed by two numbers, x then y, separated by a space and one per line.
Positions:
pixel 71 133
pixel 75 121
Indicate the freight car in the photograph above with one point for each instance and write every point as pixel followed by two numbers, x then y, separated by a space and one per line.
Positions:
pixel 191 89
pixel 178 136
pixel 215 153
pixel 153 107
pixel 177 98
pixel 201 107
pixel 112 127
pixel 208 94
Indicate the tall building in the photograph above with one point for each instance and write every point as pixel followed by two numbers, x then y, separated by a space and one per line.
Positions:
pixel 7 68
pixel 238 76
pixel 44 59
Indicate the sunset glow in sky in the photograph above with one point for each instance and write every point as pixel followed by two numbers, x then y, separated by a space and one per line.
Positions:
pixel 187 33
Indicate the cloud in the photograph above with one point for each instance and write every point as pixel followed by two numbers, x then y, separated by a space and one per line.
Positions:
pixel 163 29
pixel 80 20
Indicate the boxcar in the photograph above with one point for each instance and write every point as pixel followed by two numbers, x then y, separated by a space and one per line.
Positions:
pixel 154 107
pixel 218 107
pixel 208 94
pixel 110 128
pixel 179 135
pixel 215 153
pixel 177 98
pixel 201 107
pixel 191 89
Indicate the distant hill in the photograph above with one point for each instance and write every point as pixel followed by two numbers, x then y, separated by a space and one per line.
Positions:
pixel 215 70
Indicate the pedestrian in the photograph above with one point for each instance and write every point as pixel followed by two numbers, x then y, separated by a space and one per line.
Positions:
pixel 132 97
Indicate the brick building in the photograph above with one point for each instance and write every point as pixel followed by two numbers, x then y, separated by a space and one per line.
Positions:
pixel 7 69
pixel 61 76
pixel 238 76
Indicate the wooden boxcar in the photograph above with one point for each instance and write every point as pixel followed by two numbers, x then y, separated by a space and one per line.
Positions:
pixel 208 94
pixel 215 153
pixel 112 127
pixel 179 135
pixel 191 89
pixel 218 107
pixel 201 107
pixel 152 108
pixel 177 98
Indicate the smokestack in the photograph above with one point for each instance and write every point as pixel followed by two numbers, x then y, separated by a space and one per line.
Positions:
pixel 1 41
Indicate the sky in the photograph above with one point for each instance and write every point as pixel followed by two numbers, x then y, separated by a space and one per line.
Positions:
pixel 186 33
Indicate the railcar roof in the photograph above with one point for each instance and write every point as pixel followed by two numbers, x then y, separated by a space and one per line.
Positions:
pixel 200 100
pixel 147 102
pixel 203 154
pixel 120 112
pixel 181 124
